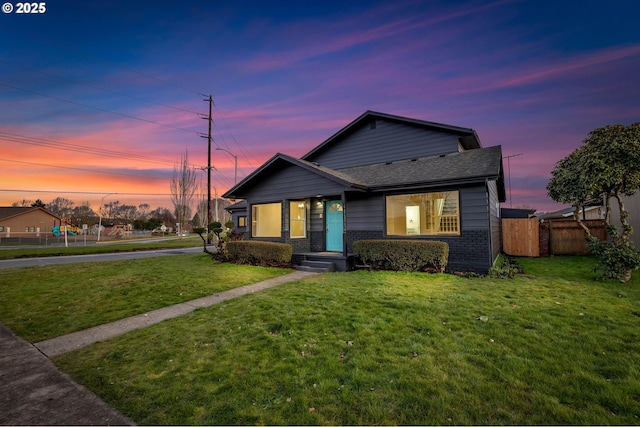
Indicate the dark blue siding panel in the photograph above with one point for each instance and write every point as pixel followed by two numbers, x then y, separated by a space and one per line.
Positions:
pixel 388 142
pixel 292 182
pixel 474 213
pixel 495 220
pixel 365 212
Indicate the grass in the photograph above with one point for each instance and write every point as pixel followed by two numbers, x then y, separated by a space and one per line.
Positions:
pixel 93 248
pixel 48 301
pixel 387 348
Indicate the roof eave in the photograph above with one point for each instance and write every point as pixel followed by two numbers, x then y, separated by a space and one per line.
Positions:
pixel 433 184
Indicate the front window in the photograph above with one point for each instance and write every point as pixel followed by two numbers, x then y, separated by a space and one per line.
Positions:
pixel 423 214
pixel 266 220
pixel 298 219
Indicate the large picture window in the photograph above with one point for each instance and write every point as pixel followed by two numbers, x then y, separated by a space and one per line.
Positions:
pixel 423 214
pixel 266 220
pixel 297 219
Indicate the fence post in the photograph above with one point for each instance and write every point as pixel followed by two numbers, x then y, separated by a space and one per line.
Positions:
pixel 544 238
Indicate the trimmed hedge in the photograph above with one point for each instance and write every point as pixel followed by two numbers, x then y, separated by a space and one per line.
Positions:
pixel 257 252
pixel 403 255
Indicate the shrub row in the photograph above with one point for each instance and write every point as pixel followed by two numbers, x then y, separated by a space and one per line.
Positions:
pixel 256 252
pixel 403 255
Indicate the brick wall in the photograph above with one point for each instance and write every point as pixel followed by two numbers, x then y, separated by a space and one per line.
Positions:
pixel 543 238
pixel 469 252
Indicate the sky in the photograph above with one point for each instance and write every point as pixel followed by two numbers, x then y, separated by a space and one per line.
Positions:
pixel 100 99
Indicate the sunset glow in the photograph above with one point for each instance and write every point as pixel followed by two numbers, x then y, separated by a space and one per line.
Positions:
pixel 99 100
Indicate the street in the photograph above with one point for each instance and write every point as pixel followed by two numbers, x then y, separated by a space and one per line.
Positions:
pixel 71 259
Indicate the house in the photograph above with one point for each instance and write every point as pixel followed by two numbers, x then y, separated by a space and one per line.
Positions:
pixel 592 211
pixel 26 222
pixel 631 205
pixel 380 177
pixel 514 213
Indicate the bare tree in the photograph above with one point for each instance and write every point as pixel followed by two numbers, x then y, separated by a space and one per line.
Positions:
pixel 183 187
pixel 61 207
pixel 22 203
pixel 143 211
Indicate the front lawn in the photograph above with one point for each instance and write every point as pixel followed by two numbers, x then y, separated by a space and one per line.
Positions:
pixel 43 302
pixel 553 347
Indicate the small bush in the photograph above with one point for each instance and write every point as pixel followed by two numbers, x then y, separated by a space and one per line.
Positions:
pixel 614 261
pixel 505 267
pixel 403 255
pixel 258 253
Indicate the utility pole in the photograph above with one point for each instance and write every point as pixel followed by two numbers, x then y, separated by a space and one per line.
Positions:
pixel 209 119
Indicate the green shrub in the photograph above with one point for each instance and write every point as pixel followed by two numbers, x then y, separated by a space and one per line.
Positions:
pixel 614 261
pixel 403 255
pixel 505 268
pixel 257 252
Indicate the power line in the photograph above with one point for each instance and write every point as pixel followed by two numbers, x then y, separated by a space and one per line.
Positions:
pixel 96 108
pixel 23 139
pixel 82 192
pixel 99 88
pixel 70 167
pixel 146 75
pixel 85 54
pixel 240 146
pixel 88 150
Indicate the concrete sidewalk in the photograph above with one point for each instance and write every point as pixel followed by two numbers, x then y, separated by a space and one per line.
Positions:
pixel 34 392
pixel 76 340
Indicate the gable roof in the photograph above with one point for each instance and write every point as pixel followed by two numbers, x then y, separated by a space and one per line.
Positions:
pixel 468 137
pixel 455 168
pixel 278 161
pixel 7 212
pixel 452 169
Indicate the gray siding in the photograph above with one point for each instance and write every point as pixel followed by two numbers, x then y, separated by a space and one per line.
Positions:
pixel 473 208
pixel 292 182
pixel 365 212
pixel 494 220
pixel 387 142
pixel 632 205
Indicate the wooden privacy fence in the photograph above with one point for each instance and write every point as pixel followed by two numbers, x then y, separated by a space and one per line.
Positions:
pixel 532 237
pixel 520 237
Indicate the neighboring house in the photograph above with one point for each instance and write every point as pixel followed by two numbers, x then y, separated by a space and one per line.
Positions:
pixel 238 212
pixel 631 205
pixel 380 177
pixel 26 221
pixel 594 211
pixel 515 213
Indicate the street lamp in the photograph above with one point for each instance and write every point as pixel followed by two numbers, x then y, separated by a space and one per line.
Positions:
pixel 235 158
pixel 100 211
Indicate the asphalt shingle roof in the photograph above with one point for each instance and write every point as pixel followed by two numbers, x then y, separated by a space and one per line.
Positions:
pixel 455 167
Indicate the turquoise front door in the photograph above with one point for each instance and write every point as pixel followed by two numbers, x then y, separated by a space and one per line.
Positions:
pixel 335 225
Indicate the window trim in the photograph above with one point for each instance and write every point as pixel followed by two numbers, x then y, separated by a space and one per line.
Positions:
pixel 423 216
pixel 302 220
pixel 255 218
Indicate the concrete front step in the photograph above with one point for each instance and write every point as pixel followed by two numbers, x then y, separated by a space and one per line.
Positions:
pixel 316 266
